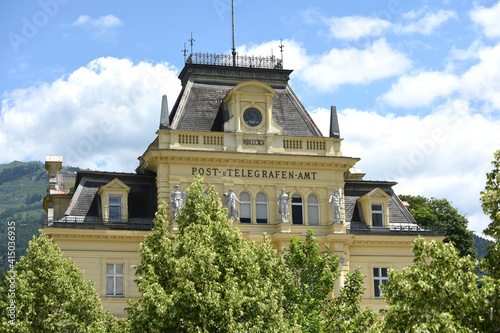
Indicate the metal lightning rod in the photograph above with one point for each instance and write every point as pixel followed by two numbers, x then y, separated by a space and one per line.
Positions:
pixel 234 45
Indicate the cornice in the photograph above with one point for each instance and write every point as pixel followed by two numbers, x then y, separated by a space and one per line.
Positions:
pixel 271 160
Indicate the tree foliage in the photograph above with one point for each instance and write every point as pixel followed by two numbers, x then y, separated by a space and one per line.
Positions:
pixel 51 295
pixel 310 280
pixel 490 199
pixel 441 292
pixel 207 278
pixel 439 212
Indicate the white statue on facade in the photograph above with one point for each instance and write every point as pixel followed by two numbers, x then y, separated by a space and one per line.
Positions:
pixel 336 201
pixel 283 205
pixel 177 201
pixel 230 200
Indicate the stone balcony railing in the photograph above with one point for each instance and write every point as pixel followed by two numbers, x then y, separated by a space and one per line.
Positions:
pixel 77 222
pixel 401 229
pixel 247 142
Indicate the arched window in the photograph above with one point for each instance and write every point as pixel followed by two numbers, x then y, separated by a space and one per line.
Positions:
pixel 313 209
pixel 261 207
pixel 245 208
pixel 297 211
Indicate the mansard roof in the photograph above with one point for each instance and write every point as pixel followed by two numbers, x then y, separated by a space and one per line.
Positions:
pixel 199 105
pixel 142 195
pixel 355 189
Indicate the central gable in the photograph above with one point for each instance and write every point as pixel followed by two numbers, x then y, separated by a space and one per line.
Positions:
pixel 248 108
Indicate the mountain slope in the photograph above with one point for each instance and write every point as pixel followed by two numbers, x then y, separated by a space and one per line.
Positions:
pixel 22 189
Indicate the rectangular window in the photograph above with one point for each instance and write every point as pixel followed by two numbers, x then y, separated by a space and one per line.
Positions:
pixel 115 208
pixel 377 216
pixel 380 277
pixel 114 280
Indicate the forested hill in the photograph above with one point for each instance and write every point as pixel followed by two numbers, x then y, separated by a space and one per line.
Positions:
pixel 480 244
pixel 22 189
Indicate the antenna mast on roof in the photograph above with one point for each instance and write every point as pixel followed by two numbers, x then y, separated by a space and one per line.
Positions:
pixel 191 40
pixel 185 51
pixel 234 47
pixel 281 50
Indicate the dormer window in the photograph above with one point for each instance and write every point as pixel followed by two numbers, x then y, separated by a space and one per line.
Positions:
pixel 377 215
pixel 114 200
pixel 374 208
pixel 115 208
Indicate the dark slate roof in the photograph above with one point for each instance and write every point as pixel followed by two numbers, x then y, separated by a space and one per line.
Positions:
pixel 355 189
pixel 201 110
pixel 199 105
pixel 142 200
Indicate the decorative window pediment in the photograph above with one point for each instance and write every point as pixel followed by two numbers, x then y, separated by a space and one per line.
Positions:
pixel 375 208
pixel 114 200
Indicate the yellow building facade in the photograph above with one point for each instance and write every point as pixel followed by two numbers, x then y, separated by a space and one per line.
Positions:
pixel 243 128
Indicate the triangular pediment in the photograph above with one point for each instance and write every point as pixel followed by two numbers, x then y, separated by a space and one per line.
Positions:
pixel 115 184
pixel 374 195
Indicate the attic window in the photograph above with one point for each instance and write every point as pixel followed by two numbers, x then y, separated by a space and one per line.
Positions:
pixel 114 200
pixel 115 207
pixel 375 208
pixel 378 215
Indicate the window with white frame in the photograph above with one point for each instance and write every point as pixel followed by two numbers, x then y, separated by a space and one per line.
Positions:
pixel 377 215
pixel 380 277
pixel 313 209
pixel 114 280
pixel 261 207
pixel 245 208
pixel 297 209
pixel 115 208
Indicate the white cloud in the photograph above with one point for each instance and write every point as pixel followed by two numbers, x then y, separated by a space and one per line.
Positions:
pixel 482 81
pixel 488 19
pixel 445 154
pixel 427 24
pixel 352 65
pixel 339 66
pixel 421 89
pixel 101 24
pixel 356 27
pixel 101 116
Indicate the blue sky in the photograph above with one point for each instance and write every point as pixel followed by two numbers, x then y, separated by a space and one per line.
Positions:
pixel 416 83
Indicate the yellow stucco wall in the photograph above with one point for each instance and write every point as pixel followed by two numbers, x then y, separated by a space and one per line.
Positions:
pixel 91 249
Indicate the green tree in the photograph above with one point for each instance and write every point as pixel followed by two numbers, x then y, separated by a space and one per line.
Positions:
pixel 50 294
pixel 441 292
pixel 310 280
pixel 490 199
pixel 439 212
pixel 207 278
